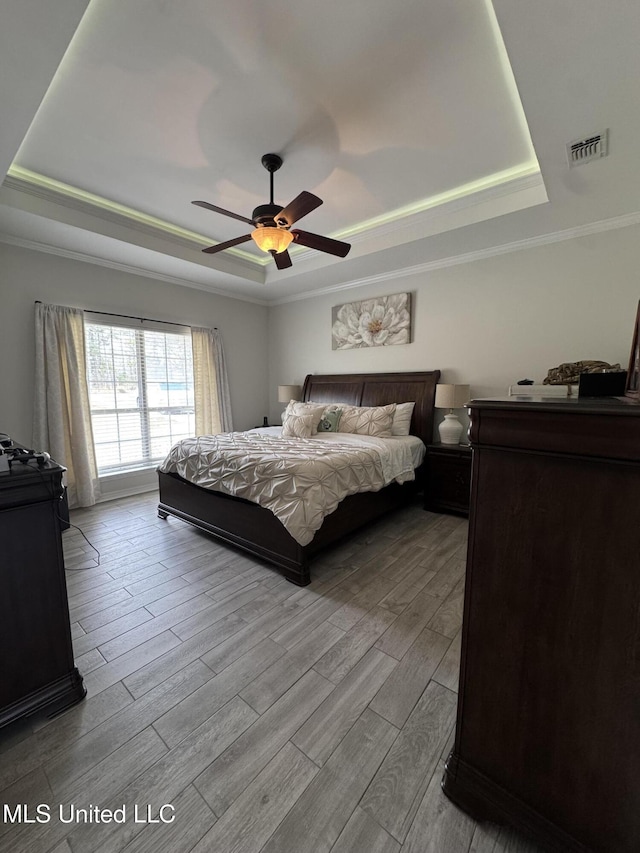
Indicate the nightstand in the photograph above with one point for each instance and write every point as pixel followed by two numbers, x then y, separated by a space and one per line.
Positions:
pixel 448 478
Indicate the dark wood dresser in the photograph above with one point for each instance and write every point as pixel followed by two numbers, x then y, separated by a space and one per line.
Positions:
pixel 548 729
pixel 448 485
pixel 38 671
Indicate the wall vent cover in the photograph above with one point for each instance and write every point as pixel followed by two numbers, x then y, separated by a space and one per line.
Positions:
pixel 585 150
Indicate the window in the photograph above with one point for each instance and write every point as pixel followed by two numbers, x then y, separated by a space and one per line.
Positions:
pixel 140 392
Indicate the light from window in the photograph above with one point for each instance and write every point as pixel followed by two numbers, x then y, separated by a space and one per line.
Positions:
pixel 140 394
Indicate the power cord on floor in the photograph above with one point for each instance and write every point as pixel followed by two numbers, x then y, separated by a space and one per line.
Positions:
pixel 66 521
pixel 93 547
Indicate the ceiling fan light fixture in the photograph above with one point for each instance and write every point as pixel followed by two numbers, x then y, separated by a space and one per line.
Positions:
pixel 272 239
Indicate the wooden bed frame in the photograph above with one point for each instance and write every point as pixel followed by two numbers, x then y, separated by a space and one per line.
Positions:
pixel 253 528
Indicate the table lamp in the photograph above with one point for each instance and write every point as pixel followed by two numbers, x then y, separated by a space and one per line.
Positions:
pixel 286 393
pixel 451 397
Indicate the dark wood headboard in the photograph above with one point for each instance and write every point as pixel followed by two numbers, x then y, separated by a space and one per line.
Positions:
pixel 379 389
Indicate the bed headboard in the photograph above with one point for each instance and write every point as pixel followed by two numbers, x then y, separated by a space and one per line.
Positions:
pixel 379 389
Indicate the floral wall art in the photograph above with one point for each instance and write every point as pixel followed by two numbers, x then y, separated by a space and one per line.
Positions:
pixel 379 322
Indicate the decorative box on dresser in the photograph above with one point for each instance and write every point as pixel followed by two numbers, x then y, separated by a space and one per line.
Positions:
pixel 38 672
pixel 448 484
pixel 548 729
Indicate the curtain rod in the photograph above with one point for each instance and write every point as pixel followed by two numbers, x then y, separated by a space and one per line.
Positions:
pixel 131 317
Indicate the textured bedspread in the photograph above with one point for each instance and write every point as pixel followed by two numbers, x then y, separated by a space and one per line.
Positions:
pixel 301 480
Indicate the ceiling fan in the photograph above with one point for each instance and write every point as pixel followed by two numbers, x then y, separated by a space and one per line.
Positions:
pixel 272 224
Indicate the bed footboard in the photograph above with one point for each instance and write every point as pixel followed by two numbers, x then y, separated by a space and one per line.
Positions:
pixel 235 521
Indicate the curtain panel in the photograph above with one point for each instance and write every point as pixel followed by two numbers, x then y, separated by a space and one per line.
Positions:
pixel 62 415
pixel 62 418
pixel 210 383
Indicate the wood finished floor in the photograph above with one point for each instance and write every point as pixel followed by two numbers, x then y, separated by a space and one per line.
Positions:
pixel 271 717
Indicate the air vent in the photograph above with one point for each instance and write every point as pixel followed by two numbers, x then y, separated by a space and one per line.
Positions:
pixel 585 150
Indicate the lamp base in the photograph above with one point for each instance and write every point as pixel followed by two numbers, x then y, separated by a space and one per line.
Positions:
pixel 450 430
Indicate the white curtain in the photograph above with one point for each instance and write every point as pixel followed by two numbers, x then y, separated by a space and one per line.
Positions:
pixel 62 418
pixel 211 385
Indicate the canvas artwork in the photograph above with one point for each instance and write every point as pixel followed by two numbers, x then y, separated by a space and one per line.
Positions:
pixel 380 322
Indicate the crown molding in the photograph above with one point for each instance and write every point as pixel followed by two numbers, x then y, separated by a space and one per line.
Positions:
pixel 21 243
pixel 418 215
pixel 89 204
pixel 494 187
pixel 616 222
pixel 424 215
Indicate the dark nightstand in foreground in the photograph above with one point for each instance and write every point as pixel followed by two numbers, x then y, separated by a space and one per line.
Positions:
pixel 448 478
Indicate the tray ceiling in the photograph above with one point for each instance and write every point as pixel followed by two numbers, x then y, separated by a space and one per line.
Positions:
pixel 405 119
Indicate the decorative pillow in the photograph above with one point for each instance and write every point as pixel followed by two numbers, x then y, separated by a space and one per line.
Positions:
pixel 301 410
pixel 300 426
pixel 367 420
pixel 402 419
pixel 330 420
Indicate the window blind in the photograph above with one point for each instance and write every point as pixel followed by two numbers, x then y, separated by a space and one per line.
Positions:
pixel 140 377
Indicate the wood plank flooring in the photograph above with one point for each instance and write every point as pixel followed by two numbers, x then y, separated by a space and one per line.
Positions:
pixel 262 716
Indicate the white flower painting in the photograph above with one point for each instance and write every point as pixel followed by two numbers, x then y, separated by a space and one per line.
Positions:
pixel 381 322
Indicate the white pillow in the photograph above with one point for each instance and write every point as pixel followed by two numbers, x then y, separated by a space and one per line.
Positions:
pixel 311 411
pixel 402 419
pixel 299 426
pixel 367 420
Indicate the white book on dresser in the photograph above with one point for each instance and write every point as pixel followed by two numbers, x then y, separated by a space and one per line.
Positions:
pixel 543 390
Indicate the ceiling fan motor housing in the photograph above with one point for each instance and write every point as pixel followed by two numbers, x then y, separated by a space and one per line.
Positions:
pixel 265 214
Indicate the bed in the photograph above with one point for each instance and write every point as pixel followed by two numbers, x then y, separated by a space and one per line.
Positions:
pixel 256 530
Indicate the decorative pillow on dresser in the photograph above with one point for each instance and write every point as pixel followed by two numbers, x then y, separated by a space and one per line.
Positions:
pixel 301 419
pixel 367 420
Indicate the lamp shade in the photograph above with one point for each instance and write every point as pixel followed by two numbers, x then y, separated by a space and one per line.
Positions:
pixel 288 392
pixel 451 396
pixel 272 239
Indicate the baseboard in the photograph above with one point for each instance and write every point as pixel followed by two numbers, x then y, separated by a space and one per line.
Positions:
pixel 127 493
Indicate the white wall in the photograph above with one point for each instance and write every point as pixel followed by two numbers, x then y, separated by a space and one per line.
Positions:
pixel 488 323
pixel 26 276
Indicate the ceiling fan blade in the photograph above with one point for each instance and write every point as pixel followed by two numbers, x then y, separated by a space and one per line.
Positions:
pixel 215 209
pixel 282 259
pixel 220 247
pixel 299 207
pixel 322 244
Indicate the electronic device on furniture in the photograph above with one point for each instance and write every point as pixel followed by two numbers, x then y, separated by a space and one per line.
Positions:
pixel 256 529
pixel 548 729
pixel 609 383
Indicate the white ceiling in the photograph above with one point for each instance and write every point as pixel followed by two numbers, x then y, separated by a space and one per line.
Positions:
pixel 405 118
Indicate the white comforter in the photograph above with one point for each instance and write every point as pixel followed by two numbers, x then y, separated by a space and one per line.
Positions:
pixel 301 480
